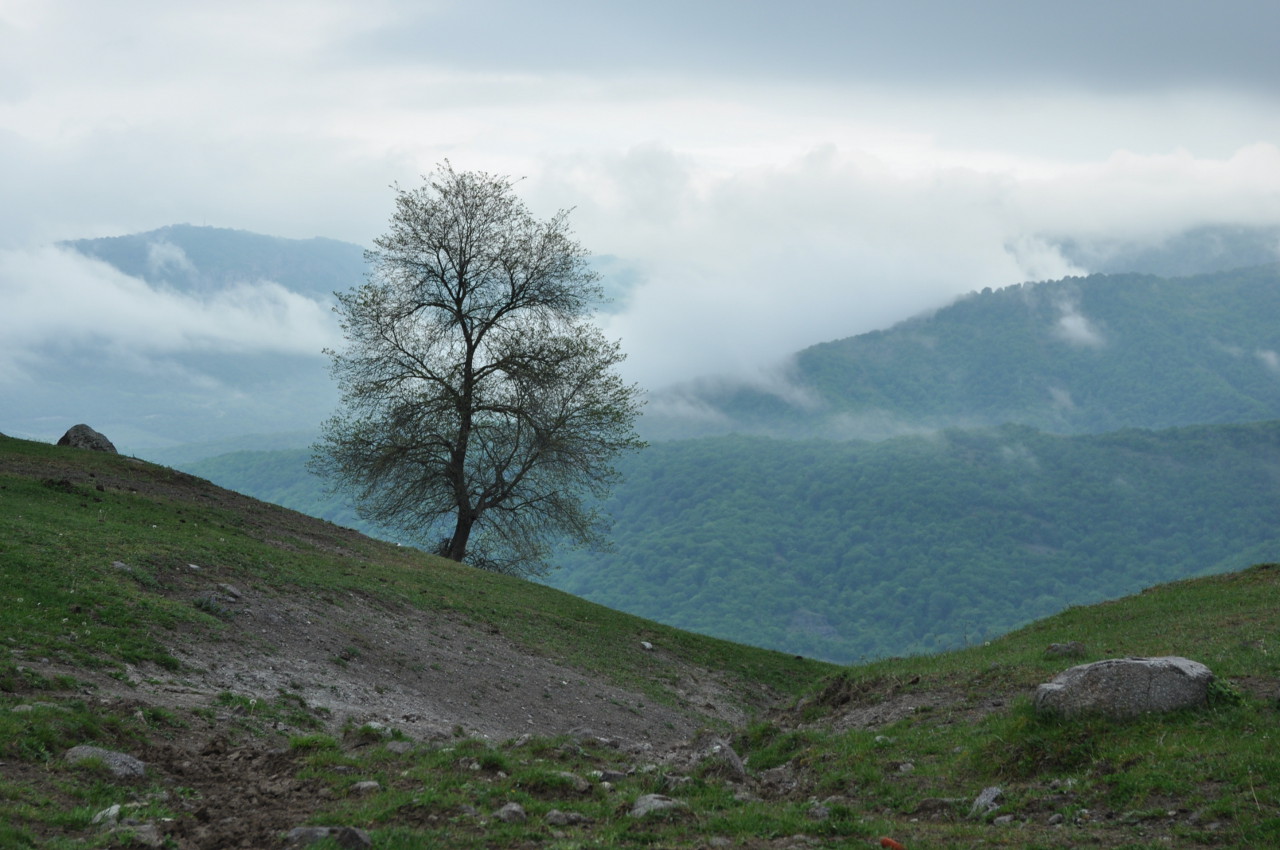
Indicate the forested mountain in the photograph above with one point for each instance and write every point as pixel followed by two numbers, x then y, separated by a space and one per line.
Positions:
pixel 1081 355
pixel 206 259
pixel 1200 250
pixel 958 526
pixel 846 550
pixel 851 550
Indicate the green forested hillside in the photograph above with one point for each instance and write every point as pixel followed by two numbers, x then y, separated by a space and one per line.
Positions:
pixel 1081 355
pixel 850 550
pixel 280 477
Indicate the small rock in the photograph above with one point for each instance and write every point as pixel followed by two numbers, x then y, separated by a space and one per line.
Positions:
pixel 986 801
pixel 1056 819
pixel 646 646
pixel 230 590
pixel 722 759
pixel 555 817
pixel 579 784
pixel 346 837
pixel 366 787
pixel 511 813
pixel 399 747
pixel 1003 819
pixel 650 803
pixel 141 835
pixel 109 816
pixel 121 765
pixel 818 812
pixel 1070 649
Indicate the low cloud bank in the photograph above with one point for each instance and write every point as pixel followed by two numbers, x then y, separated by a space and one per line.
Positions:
pixel 60 304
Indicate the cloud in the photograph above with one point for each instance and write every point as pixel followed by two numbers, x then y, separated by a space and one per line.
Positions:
pixel 1073 327
pixel 1269 359
pixel 163 256
pixel 766 178
pixel 59 303
pixel 1061 398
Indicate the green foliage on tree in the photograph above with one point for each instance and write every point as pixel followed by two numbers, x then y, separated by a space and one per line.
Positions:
pixel 481 410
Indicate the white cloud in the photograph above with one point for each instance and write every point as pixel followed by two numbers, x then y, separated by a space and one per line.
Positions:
pixel 57 302
pixel 1270 359
pixel 1075 328
pixel 1061 398
pixel 776 177
pixel 163 256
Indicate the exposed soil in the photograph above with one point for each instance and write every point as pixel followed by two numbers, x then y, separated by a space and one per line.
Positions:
pixel 361 659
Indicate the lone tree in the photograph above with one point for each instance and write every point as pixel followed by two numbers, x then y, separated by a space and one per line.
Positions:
pixel 481 410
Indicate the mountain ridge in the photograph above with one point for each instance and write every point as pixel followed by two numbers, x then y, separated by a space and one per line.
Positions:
pixel 1077 355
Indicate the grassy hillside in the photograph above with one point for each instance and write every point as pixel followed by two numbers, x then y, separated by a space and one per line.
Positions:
pixel 897 749
pixel 66 516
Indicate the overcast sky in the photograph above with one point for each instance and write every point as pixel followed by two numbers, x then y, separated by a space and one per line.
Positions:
pixel 776 174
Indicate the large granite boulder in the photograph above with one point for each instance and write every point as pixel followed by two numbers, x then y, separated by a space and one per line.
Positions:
pixel 1126 687
pixel 84 437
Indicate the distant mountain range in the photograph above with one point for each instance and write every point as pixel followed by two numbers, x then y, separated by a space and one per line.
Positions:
pixel 1081 355
pixel 205 259
pixel 946 534
pixel 758 514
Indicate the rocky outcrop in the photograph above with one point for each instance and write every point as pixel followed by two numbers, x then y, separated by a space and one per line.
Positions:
pixel 1126 687
pixel 84 437
pixel 120 765
pixel 346 837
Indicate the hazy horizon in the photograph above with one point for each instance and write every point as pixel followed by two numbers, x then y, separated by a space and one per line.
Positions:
pixel 765 177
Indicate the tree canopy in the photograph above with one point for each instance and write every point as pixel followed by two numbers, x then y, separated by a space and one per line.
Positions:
pixel 481 409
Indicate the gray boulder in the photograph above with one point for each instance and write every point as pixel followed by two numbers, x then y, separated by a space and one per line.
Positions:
pixel 716 756
pixel 647 804
pixel 84 437
pixel 120 765
pixel 346 837
pixel 511 813
pixel 1070 649
pixel 1126 687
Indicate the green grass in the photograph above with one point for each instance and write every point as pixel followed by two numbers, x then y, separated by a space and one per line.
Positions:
pixel 58 542
pixel 1188 779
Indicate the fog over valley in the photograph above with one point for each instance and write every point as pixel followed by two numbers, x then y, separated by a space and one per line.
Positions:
pixel 753 179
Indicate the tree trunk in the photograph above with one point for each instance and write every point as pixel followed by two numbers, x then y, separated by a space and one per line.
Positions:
pixel 461 535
